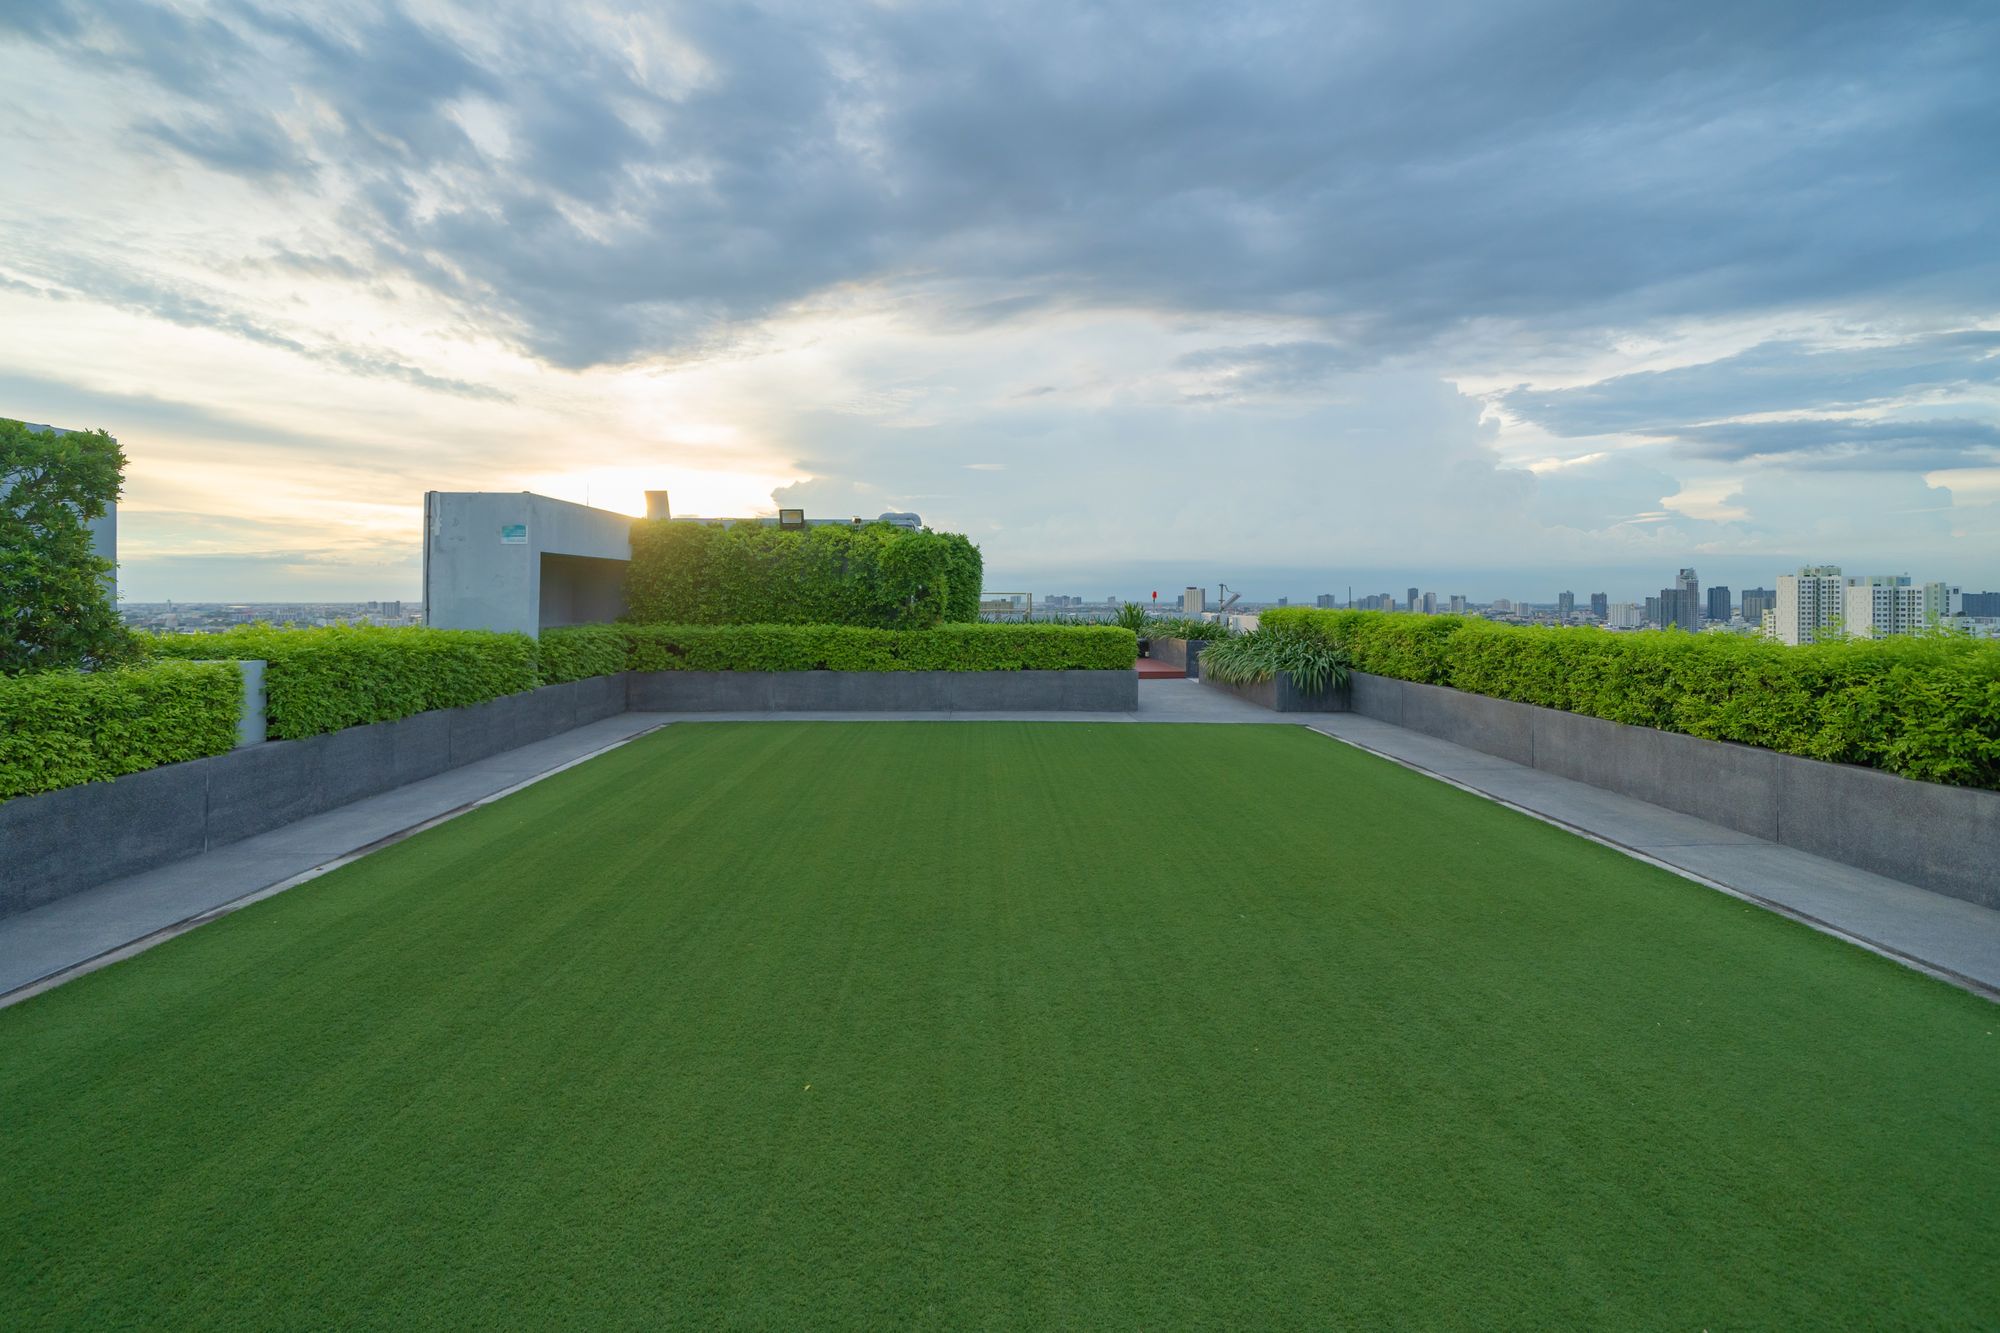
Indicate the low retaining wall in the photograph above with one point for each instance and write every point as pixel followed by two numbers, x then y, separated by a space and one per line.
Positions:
pixel 1946 839
pixel 1183 653
pixel 883 691
pixel 1281 696
pixel 63 841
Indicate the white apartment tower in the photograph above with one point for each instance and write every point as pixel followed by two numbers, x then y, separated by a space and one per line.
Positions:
pixel 1810 603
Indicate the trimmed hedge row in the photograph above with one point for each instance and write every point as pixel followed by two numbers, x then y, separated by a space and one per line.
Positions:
pixel 1925 707
pixel 61 728
pixel 685 573
pixel 593 649
pixel 322 680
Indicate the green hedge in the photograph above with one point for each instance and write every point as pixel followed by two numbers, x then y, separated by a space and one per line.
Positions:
pixel 1188 627
pixel 837 648
pixel 60 728
pixel 322 680
pixel 685 573
pixel 1926 707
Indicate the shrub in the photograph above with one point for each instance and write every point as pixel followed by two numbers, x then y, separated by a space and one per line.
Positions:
pixel 1187 627
pixel 322 680
pixel 685 573
pixel 1925 707
pixel 60 728
pixel 579 652
pixel 1302 652
pixel 852 647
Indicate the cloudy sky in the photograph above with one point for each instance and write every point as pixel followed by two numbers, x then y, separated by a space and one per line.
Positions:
pixel 1494 298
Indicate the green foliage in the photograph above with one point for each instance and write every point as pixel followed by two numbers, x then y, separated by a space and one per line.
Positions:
pixel 579 652
pixel 846 648
pixel 1188 627
pixel 686 573
pixel 55 600
pixel 1302 652
pixel 60 728
pixel 322 680
pixel 1925 707
pixel 1131 616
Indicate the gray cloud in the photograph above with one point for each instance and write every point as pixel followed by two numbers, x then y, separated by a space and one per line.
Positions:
pixel 1851 445
pixel 1563 162
pixel 1770 377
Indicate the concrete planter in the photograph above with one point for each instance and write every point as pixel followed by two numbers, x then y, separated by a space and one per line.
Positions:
pixel 63 841
pixel 1946 839
pixel 883 691
pixel 1183 653
pixel 1280 695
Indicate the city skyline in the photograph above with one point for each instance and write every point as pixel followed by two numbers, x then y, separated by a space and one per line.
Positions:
pixel 1528 290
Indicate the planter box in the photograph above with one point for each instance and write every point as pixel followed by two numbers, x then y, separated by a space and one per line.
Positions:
pixel 64 841
pixel 1183 653
pixel 1946 839
pixel 1280 695
pixel 883 691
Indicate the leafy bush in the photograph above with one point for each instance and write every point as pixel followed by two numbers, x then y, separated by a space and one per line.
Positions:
pixel 1131 616
pixel 1926 707
pixel 1301 652
pixel 852 647
pixel 686 573
pixel 60 728
pixel 1188 627
pixel 579 652
pixel 322 680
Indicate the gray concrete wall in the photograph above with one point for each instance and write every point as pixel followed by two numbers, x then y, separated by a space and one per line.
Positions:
pixel 476 577
pixel 883 691
pixel 1183 653
pixel 63 841
pixel 1946 839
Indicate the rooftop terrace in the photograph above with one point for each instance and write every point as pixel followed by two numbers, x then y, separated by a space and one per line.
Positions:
pixel 881 1022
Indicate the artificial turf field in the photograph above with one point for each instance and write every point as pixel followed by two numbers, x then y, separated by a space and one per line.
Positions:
pixel 957 1024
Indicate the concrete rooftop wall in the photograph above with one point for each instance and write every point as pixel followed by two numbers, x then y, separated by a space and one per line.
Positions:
pixel 520 562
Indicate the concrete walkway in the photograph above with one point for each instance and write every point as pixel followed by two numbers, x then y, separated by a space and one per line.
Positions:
pixel 1942 936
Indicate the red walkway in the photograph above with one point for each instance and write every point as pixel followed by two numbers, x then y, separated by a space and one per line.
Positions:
pixel 1149 669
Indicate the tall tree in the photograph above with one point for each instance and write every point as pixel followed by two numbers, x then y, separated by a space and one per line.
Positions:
pixel 55 592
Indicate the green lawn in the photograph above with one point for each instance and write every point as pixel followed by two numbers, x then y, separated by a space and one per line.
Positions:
pixel 978 1025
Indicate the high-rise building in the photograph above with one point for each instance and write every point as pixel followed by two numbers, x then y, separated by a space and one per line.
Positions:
pixel 1430 603
pixel 1718 603
pixel 1882 605
pixel 1652 611
pixel 1624 615
pixel 1680 605
pixel 1412 603
pixel 1809 603
pixel 1458 603
pixel 1941 600
pixel 1600 605
pixel 1756 601
pixel 1194 601
pixel 1284 601
pixel 1565 604
pixel 1324 601
pixel 1979 604
pixel 1502 605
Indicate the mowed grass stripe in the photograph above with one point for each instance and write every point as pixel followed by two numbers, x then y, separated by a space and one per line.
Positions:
pixel 999 1024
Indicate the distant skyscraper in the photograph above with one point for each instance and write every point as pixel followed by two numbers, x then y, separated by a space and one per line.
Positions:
pixel 1284 601
pixel 1600 605
pixel 1412 603
pixel 1194 601
pixel 1324 601
pixel 1882 605
pixel 1624 615
pixel 1430 603
pixel 1809 602
pixel 1652 611
pixel 1565 604
pixel 1458 603
pixel 1718 603
pixel 1756 601
pixel 1980 604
